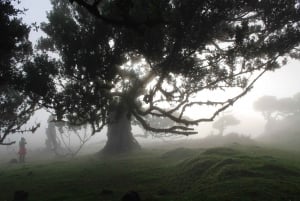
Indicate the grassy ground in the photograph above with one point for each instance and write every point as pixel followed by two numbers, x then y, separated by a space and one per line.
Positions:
pixel 225 173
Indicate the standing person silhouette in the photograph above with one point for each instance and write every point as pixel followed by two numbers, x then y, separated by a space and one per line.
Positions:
pixel 22 150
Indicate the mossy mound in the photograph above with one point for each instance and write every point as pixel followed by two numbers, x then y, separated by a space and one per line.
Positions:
pixel 179 153
pixel 237 175
pixel 222 151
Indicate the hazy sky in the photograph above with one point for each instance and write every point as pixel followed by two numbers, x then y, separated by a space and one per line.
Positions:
pixel 284 82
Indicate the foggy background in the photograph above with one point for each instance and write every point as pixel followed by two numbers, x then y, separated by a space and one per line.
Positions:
pixel 284 82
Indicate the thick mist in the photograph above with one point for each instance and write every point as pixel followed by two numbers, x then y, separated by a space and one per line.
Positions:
pixel 216 84
pixel 281 83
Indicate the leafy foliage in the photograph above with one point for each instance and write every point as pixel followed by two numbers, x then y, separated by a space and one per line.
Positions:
pixel 149 58
pixel 15 48
pixel 14 43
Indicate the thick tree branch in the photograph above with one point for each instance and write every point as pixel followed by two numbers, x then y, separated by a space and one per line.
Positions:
pixel 8 143
pixel 180 130
pixel 128 23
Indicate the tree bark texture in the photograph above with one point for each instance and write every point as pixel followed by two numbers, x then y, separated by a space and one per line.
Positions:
pixel 119 135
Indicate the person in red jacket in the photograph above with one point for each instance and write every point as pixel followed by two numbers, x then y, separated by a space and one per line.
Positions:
pixel 22 150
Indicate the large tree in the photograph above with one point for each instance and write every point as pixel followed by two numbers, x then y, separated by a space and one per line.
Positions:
pixel 15 48
pixel 118 60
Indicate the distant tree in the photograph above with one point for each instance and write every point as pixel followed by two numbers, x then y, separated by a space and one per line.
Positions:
pixel 15 48
pixel 52 142
pixel 73 138
pixel 125 60
pixel 273 108
pixel 266 105
pixel 282 127
pixel 65 140
pixel 225 121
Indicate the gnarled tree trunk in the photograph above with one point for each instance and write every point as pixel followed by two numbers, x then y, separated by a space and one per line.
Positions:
pixel 119 135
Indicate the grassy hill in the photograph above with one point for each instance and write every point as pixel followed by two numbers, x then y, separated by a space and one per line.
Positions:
pixel 236 172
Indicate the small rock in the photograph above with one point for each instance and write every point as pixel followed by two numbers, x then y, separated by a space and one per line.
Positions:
pixel 20 196
pixel 106 192
pixel 163 192
pixel 131 196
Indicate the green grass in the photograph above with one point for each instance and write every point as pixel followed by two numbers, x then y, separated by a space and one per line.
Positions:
pixel 225 173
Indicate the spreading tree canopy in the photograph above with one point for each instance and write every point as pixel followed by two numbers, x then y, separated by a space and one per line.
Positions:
pixel 114 60
pixel 15 48
pixel 278 108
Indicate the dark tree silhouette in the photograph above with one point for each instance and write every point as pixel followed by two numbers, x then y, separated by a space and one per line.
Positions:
pixel 52 141
pixel 119 60
pixel 225 121
pixel 61 137
pixel 15 48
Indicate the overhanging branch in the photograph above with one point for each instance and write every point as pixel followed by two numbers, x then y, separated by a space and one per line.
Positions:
pixel 184 130
pixel 179 130
pixel 8 143
pixel 128 23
